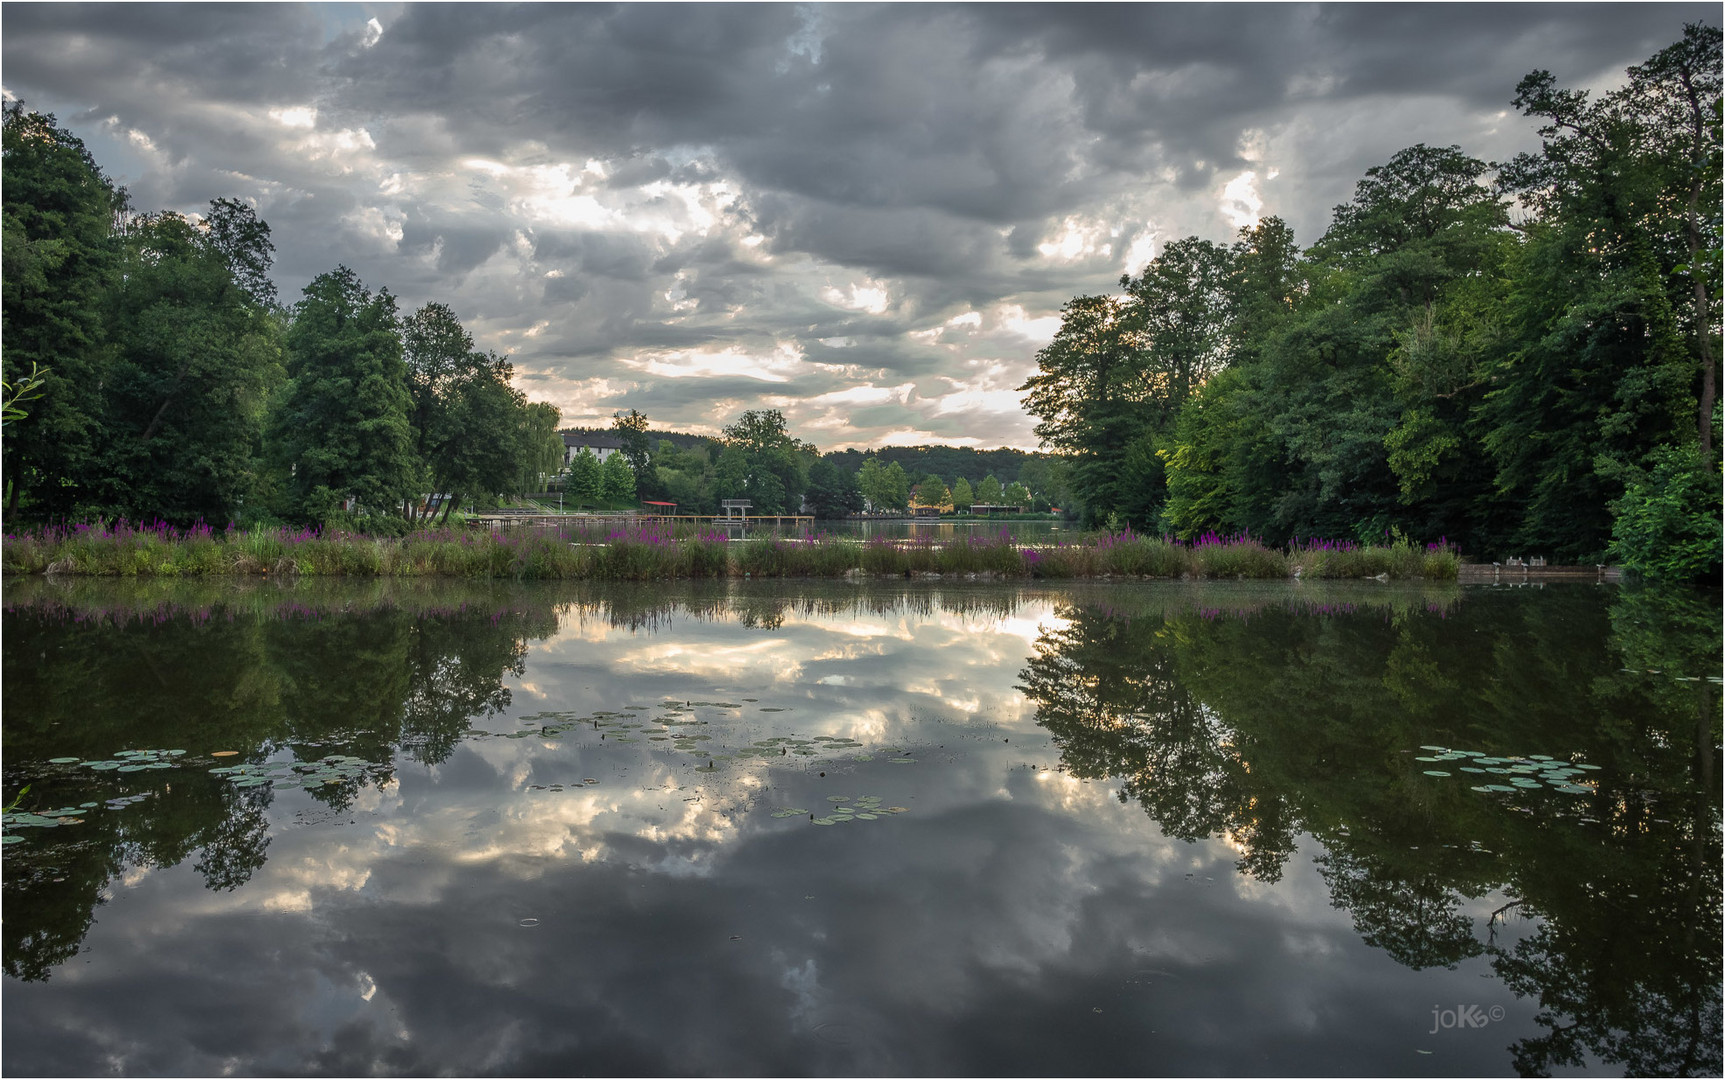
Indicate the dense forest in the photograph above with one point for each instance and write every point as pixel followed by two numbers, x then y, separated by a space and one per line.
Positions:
pixel 1521 357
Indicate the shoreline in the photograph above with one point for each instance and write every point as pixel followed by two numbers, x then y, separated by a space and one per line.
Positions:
pixel 654 553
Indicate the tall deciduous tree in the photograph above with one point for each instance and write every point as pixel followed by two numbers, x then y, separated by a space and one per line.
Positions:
pixel 471 435
pixel 1615 312
pixel 631 427
pixel 833 492
pixel 542 444
pixel 60 254
pixel 195 354
pixel 767 449
pixel 1179 310
pixel 343 430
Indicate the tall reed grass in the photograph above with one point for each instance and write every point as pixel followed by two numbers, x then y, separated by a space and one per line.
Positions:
pixel 659 551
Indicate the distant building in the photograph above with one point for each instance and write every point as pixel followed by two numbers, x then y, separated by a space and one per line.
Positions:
pixel 602 446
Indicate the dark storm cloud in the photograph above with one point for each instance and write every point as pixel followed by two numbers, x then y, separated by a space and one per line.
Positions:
pixel 585 182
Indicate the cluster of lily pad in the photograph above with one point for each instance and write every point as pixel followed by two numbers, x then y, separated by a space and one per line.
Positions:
pixel 861 808
pixel 126 761
pixel 1518 772
pixel 311 775
pixel 677 725
pixel 43 819
pixel 64 815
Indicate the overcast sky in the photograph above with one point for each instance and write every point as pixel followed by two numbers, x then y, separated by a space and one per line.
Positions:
pixel 865 216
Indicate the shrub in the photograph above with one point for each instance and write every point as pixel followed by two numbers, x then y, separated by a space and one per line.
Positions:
pixel 1666 524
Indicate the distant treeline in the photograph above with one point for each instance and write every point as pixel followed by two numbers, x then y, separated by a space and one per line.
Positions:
pixel 1520 356
pixel 950 463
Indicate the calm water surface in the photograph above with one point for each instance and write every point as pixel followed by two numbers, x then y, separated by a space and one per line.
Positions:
pixel 935 529
pixel 807 829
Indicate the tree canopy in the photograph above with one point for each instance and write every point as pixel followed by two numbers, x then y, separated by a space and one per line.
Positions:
pixel 1514 358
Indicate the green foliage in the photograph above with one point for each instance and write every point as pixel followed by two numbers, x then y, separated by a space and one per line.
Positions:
pixel 618 479
pixel 1426 366
pixel 962 496
pixel 631 429
pixel 475 436
pixel 1666 524
pixel 886 487
pixel 342 431
pixel 932 492
pixel 195 356
pixel 14 398
pixel 833 493
pixel 542 452
pixel 988 492
pixel 763 463
pixel 586 481
pixel 957 462
pixel 60 255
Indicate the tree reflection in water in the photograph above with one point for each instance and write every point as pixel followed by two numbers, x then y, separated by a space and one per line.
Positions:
pixel 1291 718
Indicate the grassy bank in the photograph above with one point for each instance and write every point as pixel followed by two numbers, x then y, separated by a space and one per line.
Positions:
pixel 656 552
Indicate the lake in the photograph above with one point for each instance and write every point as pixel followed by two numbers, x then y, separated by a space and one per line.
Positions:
pixel 1043 530
pixel 400 827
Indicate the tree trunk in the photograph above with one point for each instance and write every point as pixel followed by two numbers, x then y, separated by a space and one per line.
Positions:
pixel 454 501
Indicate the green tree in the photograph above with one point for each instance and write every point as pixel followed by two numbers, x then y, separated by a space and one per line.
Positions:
pixel 896 487
pixel 542 453
pixel 767 493
pixel 631 429
pixel 498 437
pixel 1612 310
pixel 833 492
pixel 343 430
pixel 767 448
pixel 618 479
pixel 233 230
pixel 962 497
pixel 932 492
pixel 473 435
pixel 871 481
pixel 1112 382
pixel 60 255
pixel 1016 495
pixel 195 354
pixel 1179 310
pixel 988 492
pixel 586 481
pixel 1637 171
